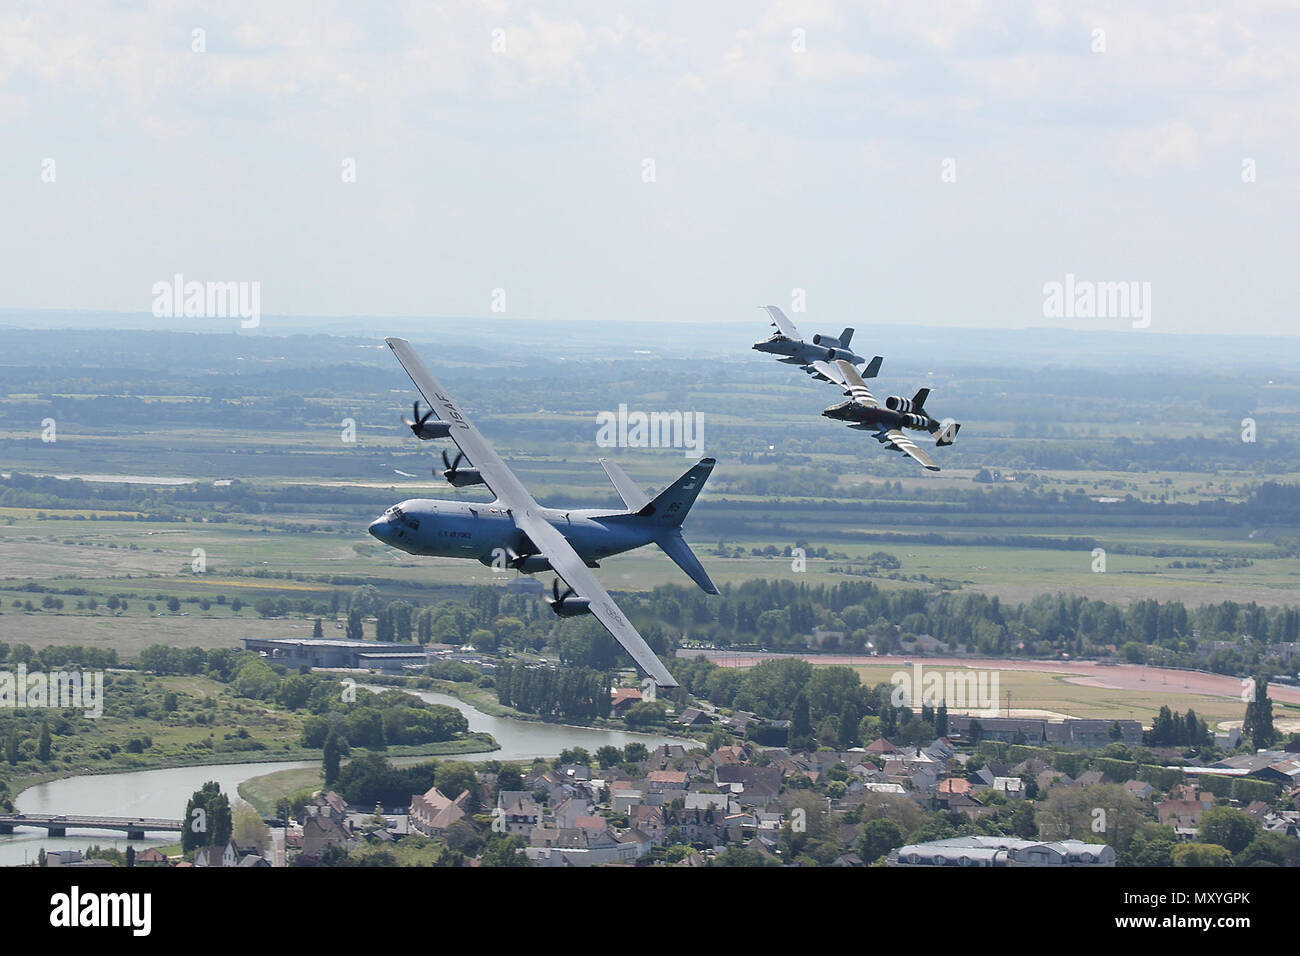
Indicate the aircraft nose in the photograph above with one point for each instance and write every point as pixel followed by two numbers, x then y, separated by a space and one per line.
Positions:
pixel 379 528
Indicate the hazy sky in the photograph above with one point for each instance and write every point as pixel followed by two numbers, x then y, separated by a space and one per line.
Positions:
pixel 792 145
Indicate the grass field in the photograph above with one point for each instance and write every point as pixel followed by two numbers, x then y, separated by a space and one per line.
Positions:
pixel 1035 693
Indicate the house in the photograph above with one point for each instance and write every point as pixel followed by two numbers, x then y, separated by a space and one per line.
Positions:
pixel 694 717
pixel 729 755
pixel 227 855
pixel 667 779
pixel 150 856
pixel 621 698
pixel 955 785
pixel 318 834
pixel 433 813
pixel 624 799
pixel 1183 808
pixel 1140 789
pixel 580 847
pixel 650 821
pixel 1013 787
pixel 754 783
pixel 568 812
pixel 708 801
pixel 1051 778
pixel 521 812
pixel 1090 777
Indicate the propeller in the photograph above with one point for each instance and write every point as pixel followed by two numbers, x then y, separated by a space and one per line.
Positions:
pixel 558 599
pixel 450 465
pixel 416 422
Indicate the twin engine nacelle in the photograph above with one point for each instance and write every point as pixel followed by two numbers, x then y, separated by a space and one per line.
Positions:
pixel 826 341
pixel 896 403
pixel 913 420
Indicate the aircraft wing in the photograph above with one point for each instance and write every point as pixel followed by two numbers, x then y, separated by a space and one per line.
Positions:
pixel 829 372
pixel 566 563
pixel 895 439
pixel 783 325
pixel 858 390
pixel 527 514
pixel 501 481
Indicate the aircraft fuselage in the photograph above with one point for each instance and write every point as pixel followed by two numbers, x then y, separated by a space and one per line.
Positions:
pixel 486 532
pixel 857 415
pixel 800 352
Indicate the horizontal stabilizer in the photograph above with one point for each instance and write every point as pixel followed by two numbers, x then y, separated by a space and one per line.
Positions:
pixel 675 546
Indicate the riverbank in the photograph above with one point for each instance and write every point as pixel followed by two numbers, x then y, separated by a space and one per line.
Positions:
pixel 472 743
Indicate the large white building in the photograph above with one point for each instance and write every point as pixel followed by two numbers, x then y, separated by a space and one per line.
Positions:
pixel 1003 851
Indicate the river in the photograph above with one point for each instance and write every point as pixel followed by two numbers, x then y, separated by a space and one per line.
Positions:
pixel 164 792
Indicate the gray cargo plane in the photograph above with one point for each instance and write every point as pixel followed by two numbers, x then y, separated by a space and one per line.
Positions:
pixel 813 357
pixel 514 531
pixel 863 412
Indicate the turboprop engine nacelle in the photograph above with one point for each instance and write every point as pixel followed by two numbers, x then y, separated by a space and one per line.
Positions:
pixel 460 477
pixel 430 430
pixel 570 607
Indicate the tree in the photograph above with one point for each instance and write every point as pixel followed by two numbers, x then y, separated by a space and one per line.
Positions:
pixel 207 820
pixel 354 629
pixel 331 758
pixel 454 777
pixel 1201 854
pixel 1270 848
pixel 509 777
pixel 43 748
pixel 317 630
pixel 878 837
pixel 250 828
pixel 1258 725
pixel 1228 827
pixel 505 851
pixel 800 725
pixel 11 748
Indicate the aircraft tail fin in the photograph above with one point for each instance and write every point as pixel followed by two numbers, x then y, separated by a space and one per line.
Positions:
pixel 947 433
pixel 918 400
pixel 846 337
pixel 675 546
pixel 670 506
pixel 872 368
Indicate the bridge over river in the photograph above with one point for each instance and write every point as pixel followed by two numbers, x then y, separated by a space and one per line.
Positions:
pixel 59 824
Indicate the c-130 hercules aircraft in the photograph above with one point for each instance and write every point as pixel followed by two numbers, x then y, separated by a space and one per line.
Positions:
pixel 515 531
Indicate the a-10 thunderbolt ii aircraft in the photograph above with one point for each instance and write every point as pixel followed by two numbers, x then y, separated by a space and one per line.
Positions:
pixel 813 357
pixel 514 531
pixel 863 412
